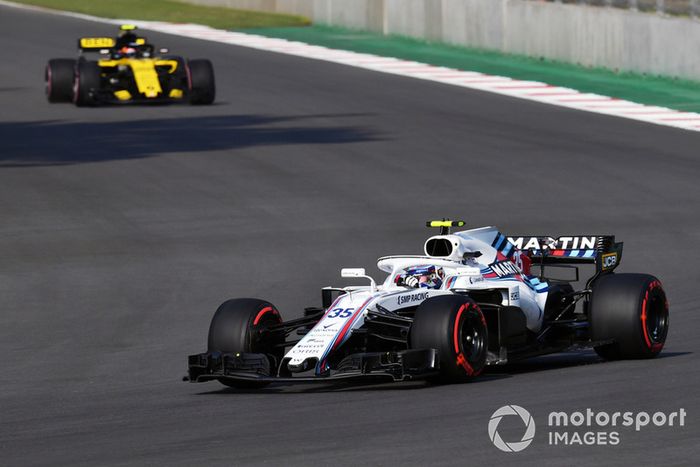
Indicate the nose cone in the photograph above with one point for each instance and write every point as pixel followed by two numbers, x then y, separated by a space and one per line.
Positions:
pixel 151 92
pixel 305 365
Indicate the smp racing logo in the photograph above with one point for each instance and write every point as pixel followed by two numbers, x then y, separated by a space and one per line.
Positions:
pixel 414 297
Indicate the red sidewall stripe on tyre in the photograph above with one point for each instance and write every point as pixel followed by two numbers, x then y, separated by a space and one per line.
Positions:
pixel 461 359
pixel 456 329
pixel 262 313
pixel 653 346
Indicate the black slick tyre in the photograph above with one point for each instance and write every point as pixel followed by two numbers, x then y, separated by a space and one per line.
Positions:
pixel 238 326
pixel 58 75
pixel 454 326
pixel 630 310
pixel 202 86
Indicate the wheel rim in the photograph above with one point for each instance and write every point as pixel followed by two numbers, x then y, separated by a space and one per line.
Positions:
pixel 48 81
pixel 259 342
pixel 656 321
pixel 469 339
pixel 76 89
pixel 472 338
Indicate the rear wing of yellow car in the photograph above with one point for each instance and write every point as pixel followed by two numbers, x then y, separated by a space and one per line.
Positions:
pixel 95 44
pixel 89 44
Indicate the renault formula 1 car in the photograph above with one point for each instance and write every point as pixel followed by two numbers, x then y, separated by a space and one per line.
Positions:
pixel 475 298
pixel 129 71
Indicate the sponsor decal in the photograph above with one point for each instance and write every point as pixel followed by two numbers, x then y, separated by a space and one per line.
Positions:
pixel 308 347
pixel 414 297
pixel 515 295
pixel 322 331
pixel 97 42
pixel 609 261
pixel 505 268
pixel 551 243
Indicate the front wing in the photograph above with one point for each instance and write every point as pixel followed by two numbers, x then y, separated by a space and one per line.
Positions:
pixel 359 367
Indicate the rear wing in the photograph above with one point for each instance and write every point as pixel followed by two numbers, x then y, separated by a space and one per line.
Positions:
pixel 602 250
pixel 95 44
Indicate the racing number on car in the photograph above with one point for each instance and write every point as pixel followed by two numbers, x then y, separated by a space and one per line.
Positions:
pixel 340 313
pixel 518 260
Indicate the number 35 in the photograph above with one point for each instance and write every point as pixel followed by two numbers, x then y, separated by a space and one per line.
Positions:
pixel 340 313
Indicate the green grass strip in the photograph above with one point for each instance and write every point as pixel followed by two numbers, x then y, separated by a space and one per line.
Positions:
pixel 175 12
pixel 653 90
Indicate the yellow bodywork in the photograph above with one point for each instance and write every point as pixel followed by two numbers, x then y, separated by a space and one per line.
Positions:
pixel 122 95
pixel 445 223
pixel 145 74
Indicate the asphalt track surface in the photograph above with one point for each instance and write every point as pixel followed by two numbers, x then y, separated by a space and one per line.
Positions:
pixel 124 228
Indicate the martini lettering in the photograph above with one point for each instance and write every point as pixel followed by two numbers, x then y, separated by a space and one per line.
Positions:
pixel 550 243
pixel 505 268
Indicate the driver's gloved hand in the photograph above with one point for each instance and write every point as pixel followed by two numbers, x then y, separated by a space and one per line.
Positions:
pixel 411 281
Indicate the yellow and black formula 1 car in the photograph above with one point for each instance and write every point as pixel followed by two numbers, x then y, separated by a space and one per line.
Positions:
pixel 128 71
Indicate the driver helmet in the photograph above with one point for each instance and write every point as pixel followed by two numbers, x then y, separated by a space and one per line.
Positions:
pixel 428 276
pixel 127 51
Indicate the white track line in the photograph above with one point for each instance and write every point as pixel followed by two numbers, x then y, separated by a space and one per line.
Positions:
pixel 528 90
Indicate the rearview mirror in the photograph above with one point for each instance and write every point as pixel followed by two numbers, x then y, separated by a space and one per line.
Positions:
pixel 358 272
pixel 352 272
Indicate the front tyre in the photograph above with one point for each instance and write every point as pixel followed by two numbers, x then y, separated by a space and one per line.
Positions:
pixel 239 325
pixel 454 326
pixel 632 311
pixel 201 82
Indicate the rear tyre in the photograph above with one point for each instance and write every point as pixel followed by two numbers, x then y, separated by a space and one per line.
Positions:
pixel 632 311
pixel 59 76
pixel 237 327
pixel 201 82
pixel 86 84
pixel 455 326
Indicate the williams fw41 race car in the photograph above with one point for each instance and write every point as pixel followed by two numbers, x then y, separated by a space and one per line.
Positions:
pixel 475 298
pixel 128 71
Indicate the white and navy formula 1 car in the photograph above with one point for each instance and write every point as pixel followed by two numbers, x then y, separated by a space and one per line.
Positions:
pixel 475 298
